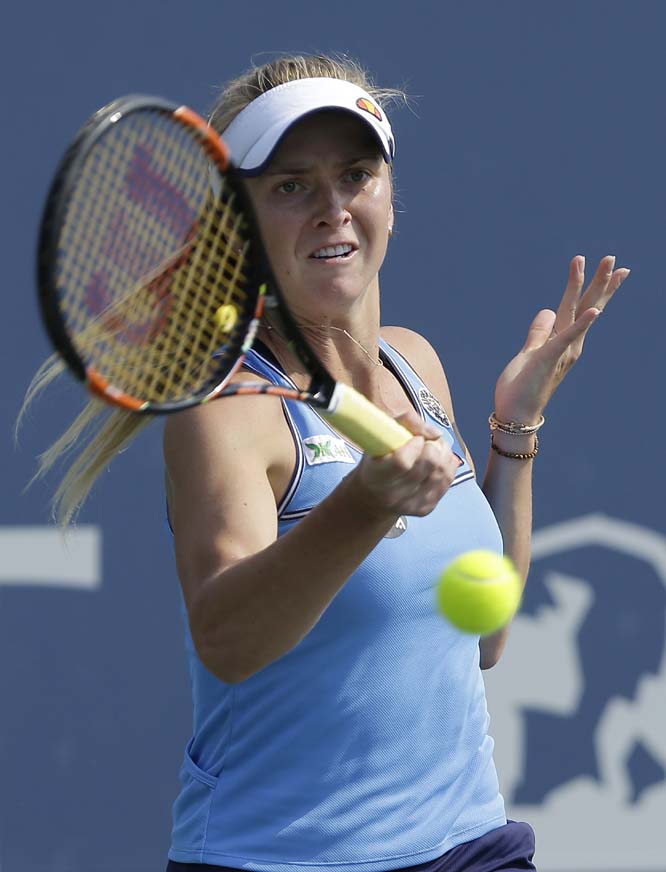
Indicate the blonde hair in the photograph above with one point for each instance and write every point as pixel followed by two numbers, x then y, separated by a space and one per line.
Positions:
pixel 240 92
pixel 100 432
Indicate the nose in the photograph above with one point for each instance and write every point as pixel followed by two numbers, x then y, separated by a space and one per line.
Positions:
pixel 331 208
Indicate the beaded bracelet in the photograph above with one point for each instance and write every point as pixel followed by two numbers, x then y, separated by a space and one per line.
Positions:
pixel 511 428
pixel 516 456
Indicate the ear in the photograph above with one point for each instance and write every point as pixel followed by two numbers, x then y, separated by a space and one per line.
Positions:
pixel 391 219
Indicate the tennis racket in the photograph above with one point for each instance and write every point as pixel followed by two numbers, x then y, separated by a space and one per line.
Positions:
pixel 153 278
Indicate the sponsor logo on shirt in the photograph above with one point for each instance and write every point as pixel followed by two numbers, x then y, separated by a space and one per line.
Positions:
pixel 326 449
pixel 397 529
pixel 433 407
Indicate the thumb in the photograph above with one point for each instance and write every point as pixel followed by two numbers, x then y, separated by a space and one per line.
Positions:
pixel 540 330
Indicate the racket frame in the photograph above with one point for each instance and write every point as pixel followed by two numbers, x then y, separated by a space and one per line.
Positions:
pixel 359 419
pixel 260 281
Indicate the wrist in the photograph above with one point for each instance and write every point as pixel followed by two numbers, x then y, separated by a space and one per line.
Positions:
pixel 507 445
pixel 516 424
pixel 527 419
pixel 514 439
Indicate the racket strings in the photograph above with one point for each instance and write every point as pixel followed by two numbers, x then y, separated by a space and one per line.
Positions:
pixel 147 256
pixel 211 260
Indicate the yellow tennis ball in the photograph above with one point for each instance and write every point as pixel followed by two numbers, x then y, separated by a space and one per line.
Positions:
pixel 226 317
pixel 479 592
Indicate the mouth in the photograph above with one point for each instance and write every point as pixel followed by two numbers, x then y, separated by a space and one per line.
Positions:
pixel 343 251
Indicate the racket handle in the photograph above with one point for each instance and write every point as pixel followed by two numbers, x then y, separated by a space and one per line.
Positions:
pixel 361 421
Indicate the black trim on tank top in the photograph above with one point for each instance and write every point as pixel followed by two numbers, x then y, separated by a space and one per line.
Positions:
pixel 269 358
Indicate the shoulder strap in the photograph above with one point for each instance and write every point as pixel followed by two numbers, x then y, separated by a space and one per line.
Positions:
pixel 261 361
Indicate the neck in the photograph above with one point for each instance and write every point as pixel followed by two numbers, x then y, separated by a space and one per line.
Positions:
pixel 350 354
pixel 346 341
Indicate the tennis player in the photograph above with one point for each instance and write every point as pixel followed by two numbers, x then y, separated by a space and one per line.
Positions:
pixel 340 723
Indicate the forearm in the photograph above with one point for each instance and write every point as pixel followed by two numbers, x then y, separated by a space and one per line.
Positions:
pixel 508 488
pixel 263 606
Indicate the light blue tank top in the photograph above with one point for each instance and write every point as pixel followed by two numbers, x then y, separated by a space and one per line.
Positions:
pixel 366 746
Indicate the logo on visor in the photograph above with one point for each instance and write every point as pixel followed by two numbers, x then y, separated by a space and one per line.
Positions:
pixel 369 106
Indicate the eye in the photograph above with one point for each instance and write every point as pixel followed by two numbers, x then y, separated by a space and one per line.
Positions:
pixel 289 187
pixel 358 176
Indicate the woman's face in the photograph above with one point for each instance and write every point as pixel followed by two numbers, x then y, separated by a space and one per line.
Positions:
pixel 324 210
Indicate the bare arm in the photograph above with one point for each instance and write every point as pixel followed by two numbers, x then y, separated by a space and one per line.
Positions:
pixel 507 485
pixel 554 343
pixel 252 597
pixel 508 488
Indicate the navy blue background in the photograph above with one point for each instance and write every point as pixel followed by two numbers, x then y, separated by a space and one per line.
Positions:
pixel 536 132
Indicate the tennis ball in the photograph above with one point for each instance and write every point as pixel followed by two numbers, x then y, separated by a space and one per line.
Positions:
pixel 479 592
pixel 226 317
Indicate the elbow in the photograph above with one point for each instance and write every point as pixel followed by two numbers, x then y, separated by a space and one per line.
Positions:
pixel 487 661
pixel 213 641
pixel 221 658
pixel 218 661
pixel 491 648
pixel 227 652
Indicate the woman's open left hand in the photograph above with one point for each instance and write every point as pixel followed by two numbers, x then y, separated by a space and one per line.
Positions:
pixel 555 342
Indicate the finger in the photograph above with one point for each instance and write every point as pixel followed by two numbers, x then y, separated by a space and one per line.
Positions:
pixel 568 308
pixel 540 330
pixel 402 460
pixel 617 278
pixel 440 469
pixel 436 467
pixel 427 484
pixel 599 284
pixel 573 335
pixel 416 425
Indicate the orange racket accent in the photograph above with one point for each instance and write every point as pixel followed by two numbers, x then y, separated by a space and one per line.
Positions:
pixel 102 388
pixel 147 234
pixel 213 144
pixel 273 390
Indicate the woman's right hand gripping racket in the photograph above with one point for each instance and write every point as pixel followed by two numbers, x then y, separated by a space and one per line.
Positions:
pixel 153 278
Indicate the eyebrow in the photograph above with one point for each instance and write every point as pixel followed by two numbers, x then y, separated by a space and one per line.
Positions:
pixel 287 170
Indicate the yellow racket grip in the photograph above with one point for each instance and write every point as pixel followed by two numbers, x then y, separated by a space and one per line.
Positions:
pixel 361 421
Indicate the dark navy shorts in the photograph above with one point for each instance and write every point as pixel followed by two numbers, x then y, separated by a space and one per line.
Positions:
pixel 509 848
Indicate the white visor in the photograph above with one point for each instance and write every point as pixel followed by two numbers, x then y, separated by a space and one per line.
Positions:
pixel 257 130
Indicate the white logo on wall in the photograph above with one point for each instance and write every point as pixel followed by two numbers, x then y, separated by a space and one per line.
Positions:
pixel 578 701
pixel 45 557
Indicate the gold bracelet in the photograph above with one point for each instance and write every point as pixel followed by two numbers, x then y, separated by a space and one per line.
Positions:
pixel 511 428
pixel 516 456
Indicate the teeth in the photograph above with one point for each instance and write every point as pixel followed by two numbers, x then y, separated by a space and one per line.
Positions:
pixel 333 251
